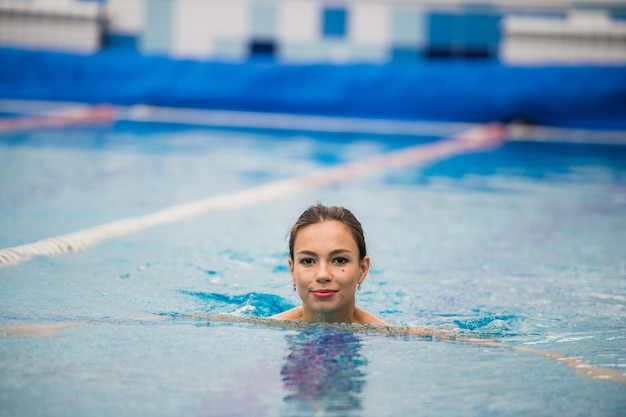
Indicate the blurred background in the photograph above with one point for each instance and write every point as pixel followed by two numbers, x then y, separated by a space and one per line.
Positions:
pixel 549 62
pixel 370 31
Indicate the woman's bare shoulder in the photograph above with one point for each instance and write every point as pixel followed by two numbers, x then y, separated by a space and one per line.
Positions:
pixel 292 314
pixel 365 317
pixel 360 316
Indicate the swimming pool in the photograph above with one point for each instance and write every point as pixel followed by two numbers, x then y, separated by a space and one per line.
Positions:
pixel 523 243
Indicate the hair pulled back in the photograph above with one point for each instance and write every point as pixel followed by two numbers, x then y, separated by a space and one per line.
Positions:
pixel 320 213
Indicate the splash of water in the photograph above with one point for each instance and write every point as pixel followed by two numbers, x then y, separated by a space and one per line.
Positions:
pixel 251 304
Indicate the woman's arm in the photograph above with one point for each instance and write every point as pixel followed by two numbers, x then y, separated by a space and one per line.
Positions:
pixel 282 320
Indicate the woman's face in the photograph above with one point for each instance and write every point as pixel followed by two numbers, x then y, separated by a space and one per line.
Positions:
pixel 326 271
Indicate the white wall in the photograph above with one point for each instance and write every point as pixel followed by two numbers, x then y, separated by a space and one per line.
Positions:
pixel 299 21
pixel 126 16
pixel 369 23
pixel 59 25
pixel 194 23
pixel 582 37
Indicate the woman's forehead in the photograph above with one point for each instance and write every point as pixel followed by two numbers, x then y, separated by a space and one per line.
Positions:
pixel 327 233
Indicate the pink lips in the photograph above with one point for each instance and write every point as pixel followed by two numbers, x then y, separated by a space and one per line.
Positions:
pixel 323 293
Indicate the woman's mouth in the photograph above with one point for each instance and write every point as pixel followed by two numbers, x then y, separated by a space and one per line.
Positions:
pixel 323 293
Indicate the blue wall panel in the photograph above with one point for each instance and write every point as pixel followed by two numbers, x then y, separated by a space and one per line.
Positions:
pixel 334 22
pixel 463 34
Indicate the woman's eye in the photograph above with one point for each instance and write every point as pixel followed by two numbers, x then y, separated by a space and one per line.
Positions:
pixel 340 260
pixel 306 261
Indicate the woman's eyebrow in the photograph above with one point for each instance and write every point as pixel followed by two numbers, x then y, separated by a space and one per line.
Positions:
pixel 338 251
pixel 333 253
pixel 307 253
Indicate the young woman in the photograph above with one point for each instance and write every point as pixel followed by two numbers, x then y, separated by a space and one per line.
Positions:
pixel 328 262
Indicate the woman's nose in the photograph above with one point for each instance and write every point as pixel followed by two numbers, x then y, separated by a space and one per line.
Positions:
pixel 323 274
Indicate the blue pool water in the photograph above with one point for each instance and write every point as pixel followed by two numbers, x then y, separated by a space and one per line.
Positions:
pixel 523 244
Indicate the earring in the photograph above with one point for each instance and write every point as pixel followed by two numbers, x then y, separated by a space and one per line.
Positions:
pixel 294 287
pixel 358 287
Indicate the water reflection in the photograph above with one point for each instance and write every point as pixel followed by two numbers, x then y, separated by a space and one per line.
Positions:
pixel 323 372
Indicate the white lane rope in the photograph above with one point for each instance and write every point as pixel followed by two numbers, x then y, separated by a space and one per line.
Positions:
pixel 478 138
pixel 294 122
pixel 49 114
pixel 37 114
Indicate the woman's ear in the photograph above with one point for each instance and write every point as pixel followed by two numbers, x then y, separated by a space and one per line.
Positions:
pixel 365 266
pixel 293 276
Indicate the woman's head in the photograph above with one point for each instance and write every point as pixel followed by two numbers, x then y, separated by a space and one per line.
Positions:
pixel 320 213
pixel 328 262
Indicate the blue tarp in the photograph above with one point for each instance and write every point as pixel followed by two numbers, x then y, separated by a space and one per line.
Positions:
pixel 461 91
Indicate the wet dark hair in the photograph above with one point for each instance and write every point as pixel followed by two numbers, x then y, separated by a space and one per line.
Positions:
pixel 320 213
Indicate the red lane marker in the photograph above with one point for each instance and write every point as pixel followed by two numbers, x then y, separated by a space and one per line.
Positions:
pixel 104 113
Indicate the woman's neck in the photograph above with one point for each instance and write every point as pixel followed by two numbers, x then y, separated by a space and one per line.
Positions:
pixel 345 315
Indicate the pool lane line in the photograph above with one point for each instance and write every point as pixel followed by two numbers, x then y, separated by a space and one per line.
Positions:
pixel 518 131
pixel 480 138
pixel 62 117
pixel 289 121
pixel 239 119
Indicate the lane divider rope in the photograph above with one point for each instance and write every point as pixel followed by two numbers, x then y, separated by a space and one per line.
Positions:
pixel 479 138
pixel 45 114
pixel 74 115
